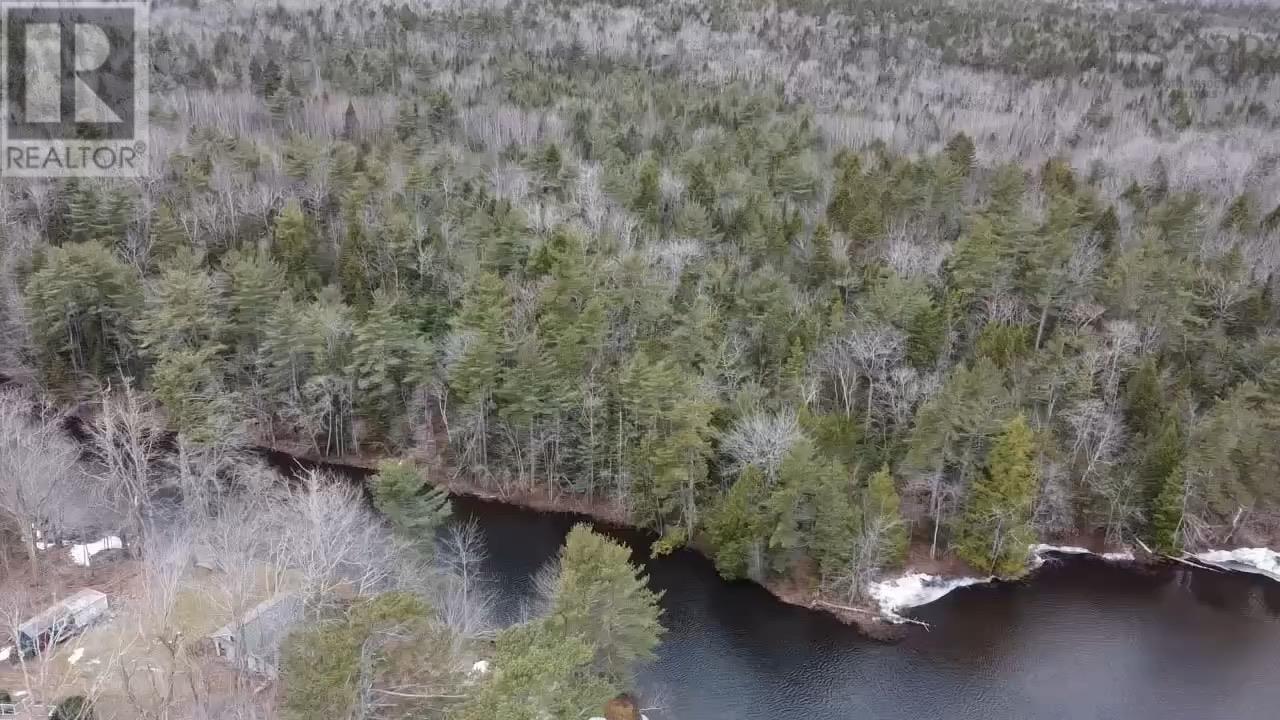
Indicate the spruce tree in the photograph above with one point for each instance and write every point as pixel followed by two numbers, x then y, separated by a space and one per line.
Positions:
pixel 960 150
pixel 294 246
pixel 481 320
pixel 996 530
pixel 415 508
pixel 384 349
pixel 184 309
pixel 539 673
pixel 734 526
pixel 1167 513
pixel 83 303
pixel 603 599
pixel 167 236
pixel 252 284
pixel 882 511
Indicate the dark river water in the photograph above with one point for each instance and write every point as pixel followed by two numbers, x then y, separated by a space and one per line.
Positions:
pixel 1083 640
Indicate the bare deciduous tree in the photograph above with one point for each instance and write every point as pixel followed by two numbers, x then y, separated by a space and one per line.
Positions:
pixel 158 672
pixel 328 535
pixel 126 442
pixel 466 603
pixel 871 548
pixel 761 440
pixel 36 463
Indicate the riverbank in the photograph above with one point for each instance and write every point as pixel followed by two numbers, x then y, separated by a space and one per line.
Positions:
pixel 924 578
pixel 866 616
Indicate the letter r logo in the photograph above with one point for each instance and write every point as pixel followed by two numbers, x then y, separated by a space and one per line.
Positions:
pixel 75 88
pixel 45 76
pixel 71 69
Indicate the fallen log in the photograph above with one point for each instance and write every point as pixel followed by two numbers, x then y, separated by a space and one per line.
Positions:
pixel 877 615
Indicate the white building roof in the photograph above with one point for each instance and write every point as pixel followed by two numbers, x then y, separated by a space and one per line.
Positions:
pixel 261 630
pixel 67 606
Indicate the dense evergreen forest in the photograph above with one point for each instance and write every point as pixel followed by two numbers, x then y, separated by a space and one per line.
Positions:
pixel 800 283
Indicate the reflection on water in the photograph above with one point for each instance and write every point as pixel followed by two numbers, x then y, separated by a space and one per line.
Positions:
pixel 1084 640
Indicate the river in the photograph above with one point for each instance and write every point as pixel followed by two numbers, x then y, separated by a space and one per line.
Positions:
pixel 1082 640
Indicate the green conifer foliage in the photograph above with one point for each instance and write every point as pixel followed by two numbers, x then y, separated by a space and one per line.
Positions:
pixel 996 529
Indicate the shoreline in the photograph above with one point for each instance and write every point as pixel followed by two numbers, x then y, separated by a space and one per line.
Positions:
pixel 919 582
pixel 867 618
pixel 874 616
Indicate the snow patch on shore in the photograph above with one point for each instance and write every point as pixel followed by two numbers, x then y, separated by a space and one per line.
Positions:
pixel 80 554
pixel 1125 556
pixel 1038 552
pixel 913 590
pixel 1260 561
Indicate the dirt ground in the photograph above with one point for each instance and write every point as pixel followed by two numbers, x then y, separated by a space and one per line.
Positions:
pixel 24 593
pixel 123 659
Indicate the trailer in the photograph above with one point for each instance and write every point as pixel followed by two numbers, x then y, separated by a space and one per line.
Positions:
pixel 68 617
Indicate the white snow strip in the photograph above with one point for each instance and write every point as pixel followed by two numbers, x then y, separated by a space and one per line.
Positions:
pixel 1125 556
pixel 75 656
pixel 1261 561
pixel 913 590
pixel 80 554
pixel 1038 552
pixel 1064 549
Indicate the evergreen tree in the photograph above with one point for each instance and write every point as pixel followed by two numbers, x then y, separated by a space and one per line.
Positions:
pixel 837 521
pixel 167 236
pixel 481 320
pixel 82 208
pixel 996 531
pixel 796 514
pixel 415 508
pixel 1144 398
pixel 1239 214
pixel 670 418
pixel 183 310
pixel 1167 513
pixel 882 513
pixel 76 707
pixel 325 665
pixel 822 268
pixel 252 286
pixel 294 246
pixel 1162 454
pixel 83 303
pixel 189 383
pixel 950 427
pixel 734 527
pixel 926 335
pixel 384 353
pixel 539 673
pixel 603 599
pixel 960 151
pixel 646 199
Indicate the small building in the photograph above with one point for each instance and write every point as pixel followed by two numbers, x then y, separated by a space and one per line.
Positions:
pixel 253 641
pixel 68 617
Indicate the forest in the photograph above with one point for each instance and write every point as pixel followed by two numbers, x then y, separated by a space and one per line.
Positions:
pixel 818 289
